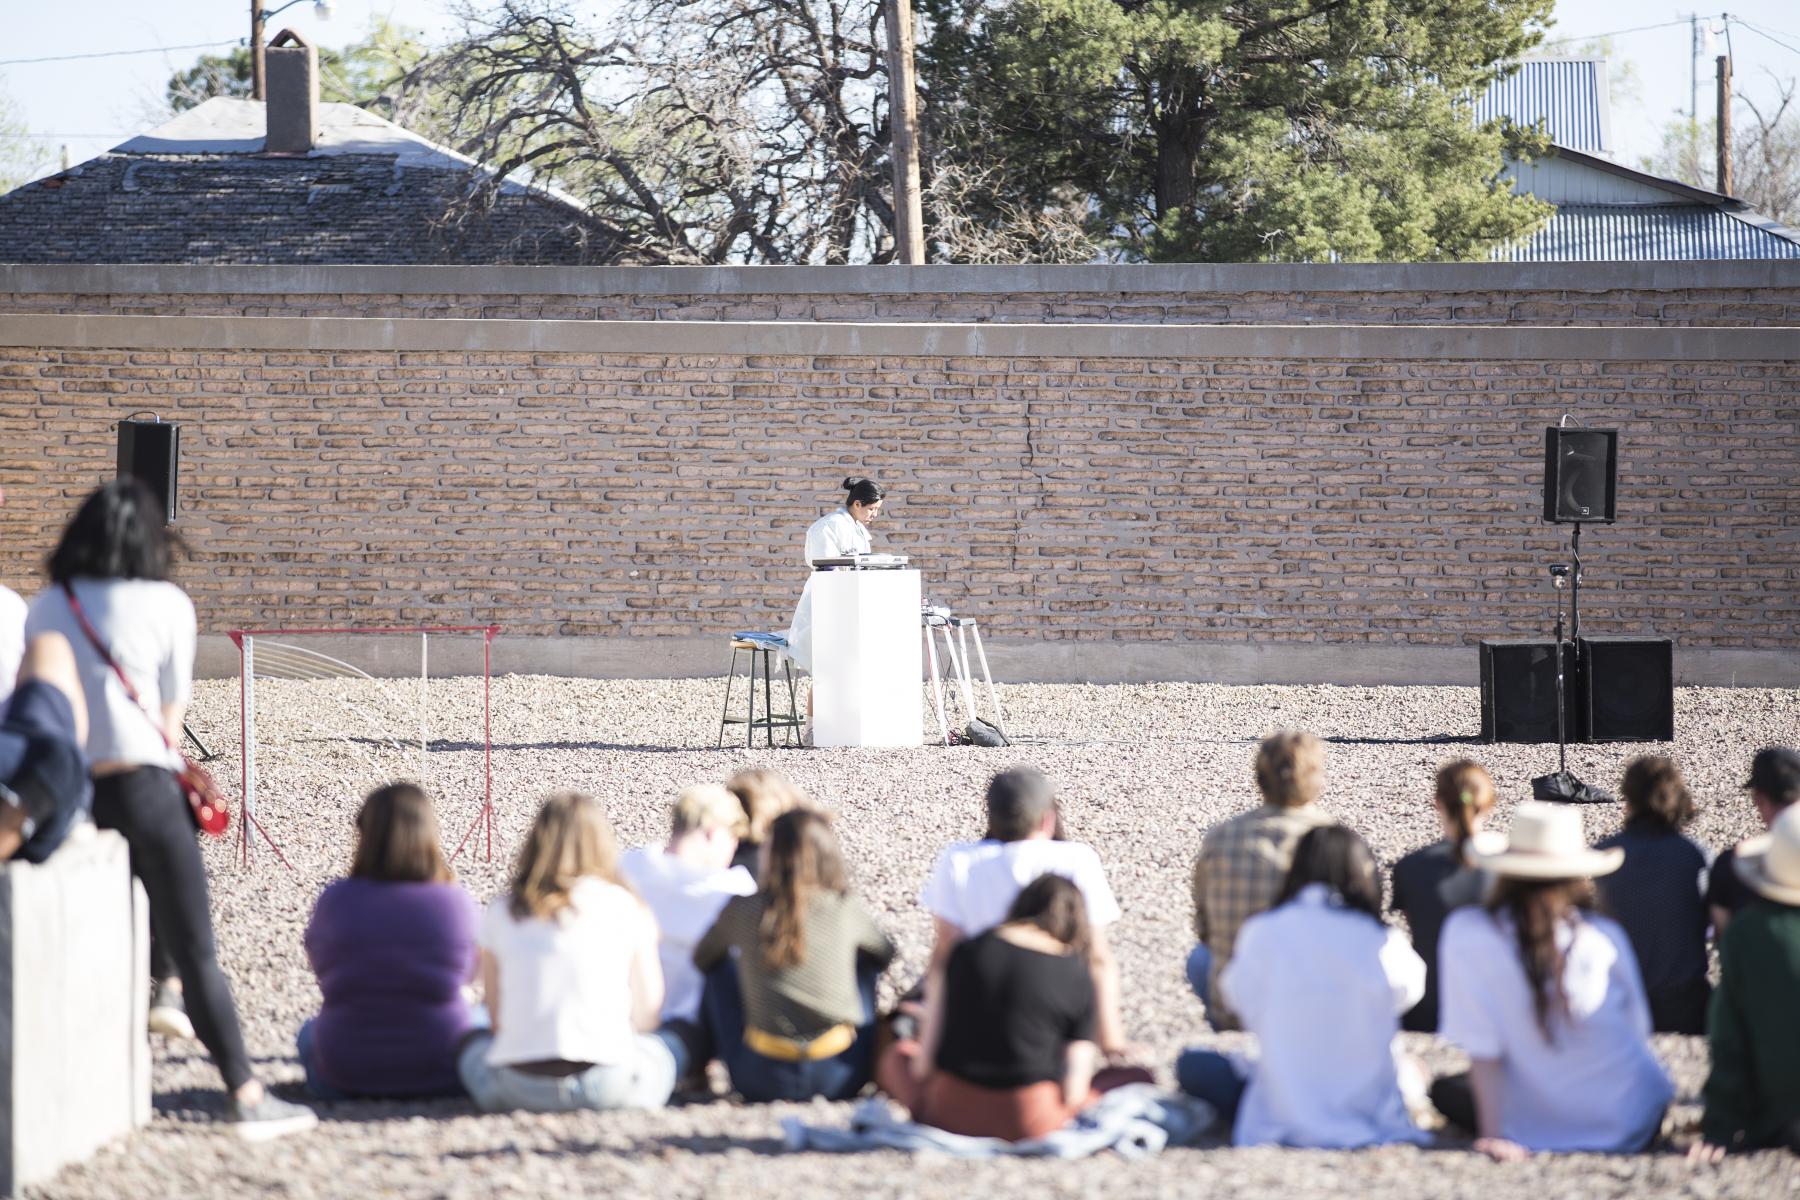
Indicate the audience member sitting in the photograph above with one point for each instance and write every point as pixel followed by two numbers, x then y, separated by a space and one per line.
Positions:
pixel 1244 861
pixel 1430 882
pixel 792 1012
pixel 686 881
pixel 1546 998
pixel 392 946
pixel 764 794
pixel 973 884
pixel 1774 785
pixel 1321 982
pixel 1753 1093
pixel 112 600
pixel 1009 1050
pixel 570 974
pixel 1657 894
pixel 43 774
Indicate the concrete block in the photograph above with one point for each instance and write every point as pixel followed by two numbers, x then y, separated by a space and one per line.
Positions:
pixel 74 983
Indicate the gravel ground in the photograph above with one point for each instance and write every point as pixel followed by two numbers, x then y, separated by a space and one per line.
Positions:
pixel 1146 770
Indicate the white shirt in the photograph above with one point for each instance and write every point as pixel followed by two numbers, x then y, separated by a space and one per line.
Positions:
pixel 973 884
pixel 12 640
pixel 1598 1085
pixel 565 982
pixel 834 535
pixel 149 626
pixel 686 901
pixel 1322 987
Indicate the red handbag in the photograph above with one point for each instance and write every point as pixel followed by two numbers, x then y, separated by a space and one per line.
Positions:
pixel 206 804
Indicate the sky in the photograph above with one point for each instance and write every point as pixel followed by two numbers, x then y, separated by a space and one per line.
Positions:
pixel 92 104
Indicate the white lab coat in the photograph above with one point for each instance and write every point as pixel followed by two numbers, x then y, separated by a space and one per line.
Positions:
pixel 834 535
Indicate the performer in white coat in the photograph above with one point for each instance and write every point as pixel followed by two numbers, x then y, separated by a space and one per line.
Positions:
pixel 837 534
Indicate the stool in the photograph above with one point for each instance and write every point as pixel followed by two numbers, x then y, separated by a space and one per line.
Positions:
pixel 762 647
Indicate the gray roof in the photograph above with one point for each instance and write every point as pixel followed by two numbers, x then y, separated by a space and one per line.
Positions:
pixel 198 189
pixel 1653 233
pixel 1569 95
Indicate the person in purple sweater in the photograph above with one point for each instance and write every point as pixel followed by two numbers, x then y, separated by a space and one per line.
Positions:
pixel 392 946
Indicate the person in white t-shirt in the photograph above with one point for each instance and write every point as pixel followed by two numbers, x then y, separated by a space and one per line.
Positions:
pixel 686 881
pixel 1321 982
pixel 973 884
pixel 570 974
pixel 1545 996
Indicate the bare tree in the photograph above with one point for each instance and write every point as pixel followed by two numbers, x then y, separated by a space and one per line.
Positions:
pixel 1765 153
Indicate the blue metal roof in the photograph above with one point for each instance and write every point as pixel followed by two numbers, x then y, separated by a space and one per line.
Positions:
pixel 1652 233
pixel 1568 94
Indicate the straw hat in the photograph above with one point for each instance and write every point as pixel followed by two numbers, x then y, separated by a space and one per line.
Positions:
pixel 1546 842
pixel 1769 864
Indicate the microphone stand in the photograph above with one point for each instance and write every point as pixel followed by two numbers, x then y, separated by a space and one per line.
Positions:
pixel 1562 787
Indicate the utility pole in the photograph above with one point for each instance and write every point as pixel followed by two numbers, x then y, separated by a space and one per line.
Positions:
pixel 256 50
pixel 903 120
pixel 1725 181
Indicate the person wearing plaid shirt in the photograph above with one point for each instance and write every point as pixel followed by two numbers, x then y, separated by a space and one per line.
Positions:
pixel 1243 860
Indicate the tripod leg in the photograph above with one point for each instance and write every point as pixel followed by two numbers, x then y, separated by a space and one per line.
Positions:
pixel 937 686
pixel 205 754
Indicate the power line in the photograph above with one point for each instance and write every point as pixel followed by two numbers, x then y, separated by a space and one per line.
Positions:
pixel 1577 37
pixel 1764 34
pixel 16 62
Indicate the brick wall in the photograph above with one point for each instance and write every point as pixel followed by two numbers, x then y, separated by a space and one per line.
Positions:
pixel 1114 499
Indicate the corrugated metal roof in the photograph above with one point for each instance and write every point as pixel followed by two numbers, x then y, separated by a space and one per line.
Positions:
pixel 1568 94
pixel 1652 232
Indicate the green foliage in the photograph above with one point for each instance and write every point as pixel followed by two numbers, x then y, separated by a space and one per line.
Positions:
pixel 21 156
pixel 1239 130
pixel 362 73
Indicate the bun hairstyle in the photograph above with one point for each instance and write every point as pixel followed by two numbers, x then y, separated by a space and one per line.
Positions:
pixel 862 491
pixel 1465 791
pixel 1655 794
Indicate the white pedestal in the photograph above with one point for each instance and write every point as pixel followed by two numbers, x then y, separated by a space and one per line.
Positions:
pixel 867 659
pixel 74 990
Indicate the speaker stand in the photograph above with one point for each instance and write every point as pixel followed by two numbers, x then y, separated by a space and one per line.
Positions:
pixel 1563 787
pixel 205 754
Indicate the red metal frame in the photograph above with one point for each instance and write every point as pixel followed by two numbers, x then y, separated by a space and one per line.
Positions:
pixel 484 817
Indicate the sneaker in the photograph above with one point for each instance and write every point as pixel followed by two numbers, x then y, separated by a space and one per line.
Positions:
pixel 168 1012
pixel 268 1118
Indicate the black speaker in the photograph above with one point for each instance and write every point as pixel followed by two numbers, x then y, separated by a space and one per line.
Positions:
pixel 1518 692
pixel 1580 474
pixel 150 451
pixel 1628 689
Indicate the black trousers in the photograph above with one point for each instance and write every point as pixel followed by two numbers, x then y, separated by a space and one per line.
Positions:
pixel 147 808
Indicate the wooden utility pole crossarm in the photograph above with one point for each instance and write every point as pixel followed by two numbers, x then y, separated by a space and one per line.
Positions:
pixel 903 119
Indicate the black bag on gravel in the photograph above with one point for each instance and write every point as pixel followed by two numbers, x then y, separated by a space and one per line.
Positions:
pixel 980 733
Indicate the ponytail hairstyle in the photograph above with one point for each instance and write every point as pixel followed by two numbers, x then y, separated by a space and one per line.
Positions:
pixel 1465 791
pixel 803 858
pixel 1656 797
pixel 861 491
pixel 1537 907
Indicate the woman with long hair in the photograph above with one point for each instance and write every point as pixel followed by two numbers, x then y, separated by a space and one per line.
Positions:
pixel 133 634
pixel 1545 996
pixel 571 978
pixel 392 946
pixel 765 794
pixel 791 972
pixel 1658 893
pixel 1431 882
pixel 1009 1049
pixel 1321 982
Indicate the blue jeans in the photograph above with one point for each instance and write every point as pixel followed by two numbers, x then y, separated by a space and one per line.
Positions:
pixel 1210 1076
pixel 644 1080
pixel 315 1083
pixel 761 1079
pixel 1199 973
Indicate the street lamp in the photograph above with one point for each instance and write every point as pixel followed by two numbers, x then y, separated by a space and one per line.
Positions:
pixel 321 9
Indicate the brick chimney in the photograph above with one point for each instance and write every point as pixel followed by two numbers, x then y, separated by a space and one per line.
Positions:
pixel 291 68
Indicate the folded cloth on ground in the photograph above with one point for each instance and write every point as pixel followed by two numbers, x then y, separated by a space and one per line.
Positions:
pixel 1135 1121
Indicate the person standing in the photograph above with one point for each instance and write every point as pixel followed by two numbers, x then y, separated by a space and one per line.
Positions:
pixel 841 533
pixel 112 599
